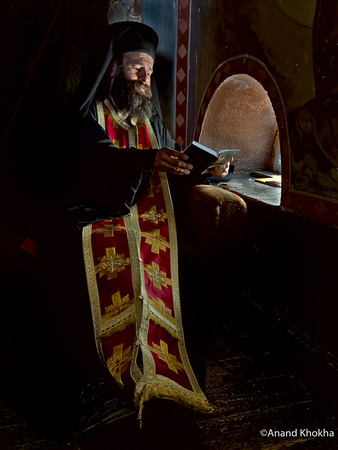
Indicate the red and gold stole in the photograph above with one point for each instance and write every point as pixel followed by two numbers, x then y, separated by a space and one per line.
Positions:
pixel 132 276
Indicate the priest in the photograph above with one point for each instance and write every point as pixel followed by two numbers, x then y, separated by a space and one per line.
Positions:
pixel 129 231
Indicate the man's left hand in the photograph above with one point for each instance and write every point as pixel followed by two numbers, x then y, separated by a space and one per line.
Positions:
pixel 222 170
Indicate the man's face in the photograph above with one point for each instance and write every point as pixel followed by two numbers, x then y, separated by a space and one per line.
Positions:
pixel 138 66
pixel 130 88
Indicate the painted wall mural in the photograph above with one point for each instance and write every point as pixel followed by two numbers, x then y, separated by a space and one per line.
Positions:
pixel 314 125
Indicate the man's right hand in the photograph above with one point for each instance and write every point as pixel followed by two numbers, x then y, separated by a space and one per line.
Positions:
pixel 169 160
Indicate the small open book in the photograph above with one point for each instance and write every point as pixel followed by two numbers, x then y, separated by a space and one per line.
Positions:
pixel 203 157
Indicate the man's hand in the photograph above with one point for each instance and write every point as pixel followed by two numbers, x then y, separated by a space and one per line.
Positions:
pixel 169 160
pixel 221 170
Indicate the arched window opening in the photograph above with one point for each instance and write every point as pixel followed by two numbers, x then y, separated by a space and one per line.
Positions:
pixel 240 115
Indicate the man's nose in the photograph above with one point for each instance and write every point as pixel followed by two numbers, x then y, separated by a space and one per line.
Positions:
pixel 144 76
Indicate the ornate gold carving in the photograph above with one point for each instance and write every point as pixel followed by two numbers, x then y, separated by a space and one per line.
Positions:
pixel 162 352
pixel 118 362
pixel 109 229
pixel 153 215
pixel 157 276
pixel 156 241
pixel 111 264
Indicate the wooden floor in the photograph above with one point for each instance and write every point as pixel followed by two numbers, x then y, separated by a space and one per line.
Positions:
pixel 253 381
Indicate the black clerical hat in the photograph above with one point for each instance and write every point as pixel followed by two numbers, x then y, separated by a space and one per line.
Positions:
pixel 133 37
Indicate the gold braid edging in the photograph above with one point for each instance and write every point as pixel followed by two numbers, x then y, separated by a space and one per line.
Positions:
pixel 175 278
pixel 92 287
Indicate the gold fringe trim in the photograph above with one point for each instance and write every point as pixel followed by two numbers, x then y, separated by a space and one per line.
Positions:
pixel 118 323
pixel 157 386
pixel 161 310
pixel 165 325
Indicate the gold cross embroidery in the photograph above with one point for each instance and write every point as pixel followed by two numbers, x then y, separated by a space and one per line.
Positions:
pixel 108 230
pixel 118 362
pixel 153 215
pixel 111 264
pixel 162 352
pixel 156 241
pixel 157 276
pixel 154 187
pixel 118 305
